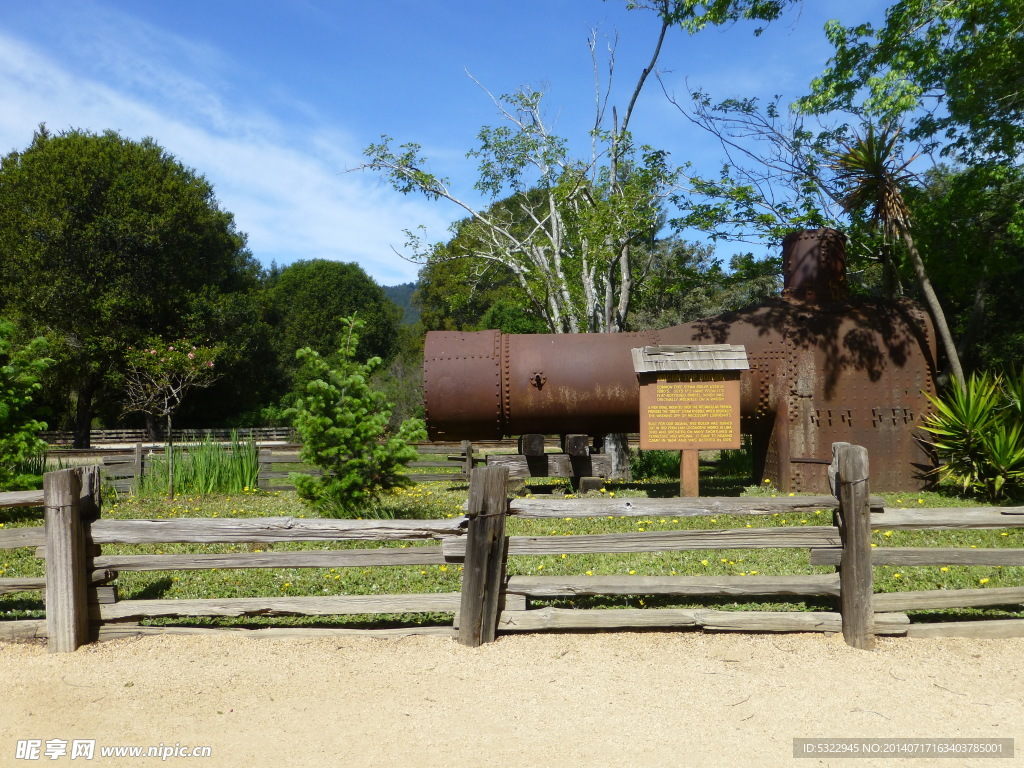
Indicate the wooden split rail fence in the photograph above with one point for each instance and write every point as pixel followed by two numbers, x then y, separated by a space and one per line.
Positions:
pixel 123 469
pixel 490 601
pixel 107 436
pixel 443 462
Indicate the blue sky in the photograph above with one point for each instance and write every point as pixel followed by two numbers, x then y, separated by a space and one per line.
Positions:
pixel 274 101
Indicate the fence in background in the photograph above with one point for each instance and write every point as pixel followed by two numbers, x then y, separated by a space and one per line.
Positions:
pixel 123 467
pixel 490 602
pixel 445 462
pixel 439 462
pixel 107 436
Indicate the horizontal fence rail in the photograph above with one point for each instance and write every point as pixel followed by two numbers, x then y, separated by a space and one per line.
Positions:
pixel 663 541
pixel 107 436
pixel 278 464
pixel 82 601
pixel 206 530
pixel 438 462
pixel 698 507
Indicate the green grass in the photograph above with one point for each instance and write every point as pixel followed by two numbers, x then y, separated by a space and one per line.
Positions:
pixel 444 500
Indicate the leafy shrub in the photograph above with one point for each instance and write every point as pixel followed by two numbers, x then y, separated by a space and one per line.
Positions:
pixel 977 433
pixel 343 425
pixel 20 368
pixel 27 474
pixel 657 464
pixel 738 462
pixel 645 465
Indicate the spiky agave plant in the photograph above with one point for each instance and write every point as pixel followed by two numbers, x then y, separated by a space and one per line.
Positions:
pixel 1004 461
pixel 978 436
pixel 958 426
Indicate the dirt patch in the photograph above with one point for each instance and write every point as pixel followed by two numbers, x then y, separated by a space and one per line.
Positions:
pixel 624 699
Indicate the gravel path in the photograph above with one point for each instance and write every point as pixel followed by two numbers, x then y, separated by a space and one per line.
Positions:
pixel 624 699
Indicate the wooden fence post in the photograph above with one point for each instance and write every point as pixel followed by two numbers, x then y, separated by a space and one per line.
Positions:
pixel 484 569
pixel 139 469
pixel 67 618
pixel 856 580
pixel 467 467
pixel 265 459
pixel 91 497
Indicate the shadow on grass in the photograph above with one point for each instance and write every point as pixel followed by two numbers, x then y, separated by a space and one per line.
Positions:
pixel 804 604
pixel 152 591
pixel 387 621
pixel 964 615
pixel 21 515
pixel 29 607
pixel 664 488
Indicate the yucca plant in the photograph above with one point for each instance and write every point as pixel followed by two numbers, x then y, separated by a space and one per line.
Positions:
pixel 873 174
pixel 977 433
pixel 1003 469
pixel 1013 391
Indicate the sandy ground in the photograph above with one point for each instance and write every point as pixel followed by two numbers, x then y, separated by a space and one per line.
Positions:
pixel 625 699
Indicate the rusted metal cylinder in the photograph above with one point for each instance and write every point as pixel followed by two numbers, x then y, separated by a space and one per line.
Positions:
pixel 822 369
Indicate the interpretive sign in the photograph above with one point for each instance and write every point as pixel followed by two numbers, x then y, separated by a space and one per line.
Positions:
pixel 689 400
pixel 690 396
pixel 682 411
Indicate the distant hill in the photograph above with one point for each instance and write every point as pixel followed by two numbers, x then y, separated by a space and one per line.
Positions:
pixel 402 296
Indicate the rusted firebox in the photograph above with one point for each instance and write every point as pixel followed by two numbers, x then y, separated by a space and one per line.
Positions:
pixel 824 367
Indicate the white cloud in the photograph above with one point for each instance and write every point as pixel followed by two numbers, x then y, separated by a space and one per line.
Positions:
pixel 284 182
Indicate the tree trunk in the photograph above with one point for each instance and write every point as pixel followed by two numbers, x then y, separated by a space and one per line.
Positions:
pixel 83 414
pixel 966 343
pixel 938 316
pixel 170 459
pixel 891 284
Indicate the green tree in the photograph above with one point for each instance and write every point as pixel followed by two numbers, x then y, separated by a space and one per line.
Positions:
pixel 687 282
pixel 952 67
pixel 107 241
pixel 969 226
pixel 573 229
pixel 401 380
pixel 20 369
pixel 159 376
pixel 308 299
pixel 695 15
pixel 778 177
pixel 455 293
pixel 460 293
pixel 581 254
pixel 949 70
pixel 343 425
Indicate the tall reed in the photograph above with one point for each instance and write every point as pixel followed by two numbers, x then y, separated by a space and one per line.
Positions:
pixel 205 467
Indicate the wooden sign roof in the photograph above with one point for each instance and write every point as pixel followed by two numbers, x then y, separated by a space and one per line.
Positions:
pixel 690 357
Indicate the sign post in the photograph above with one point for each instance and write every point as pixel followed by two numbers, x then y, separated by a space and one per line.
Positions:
pixel 689 401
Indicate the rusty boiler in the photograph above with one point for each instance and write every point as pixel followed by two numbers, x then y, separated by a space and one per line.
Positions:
pixel 824 367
